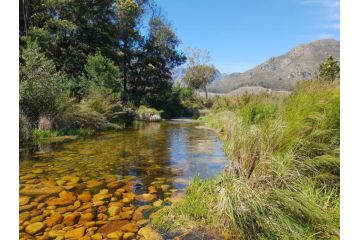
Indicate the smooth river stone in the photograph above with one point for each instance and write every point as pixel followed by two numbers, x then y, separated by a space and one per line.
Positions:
pixel 112 227
pixel 147 233
pixel 75 233
pixel 129 227
pixel 34 228
pixel 24 200
pixel 40 189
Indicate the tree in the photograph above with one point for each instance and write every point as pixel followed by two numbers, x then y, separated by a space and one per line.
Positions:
pixel 128 13
pixel 101 71
pixel 198 77
pixel 68 31
pixel 199 74
pixel 43 90
pixel 160 56
pixel 329 70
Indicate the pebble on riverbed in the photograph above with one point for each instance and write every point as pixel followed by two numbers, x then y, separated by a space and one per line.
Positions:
pixel 47 211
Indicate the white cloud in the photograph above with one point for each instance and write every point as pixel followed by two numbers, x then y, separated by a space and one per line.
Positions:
pixel 328 10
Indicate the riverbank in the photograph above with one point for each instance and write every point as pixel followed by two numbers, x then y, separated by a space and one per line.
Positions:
pixel 283 180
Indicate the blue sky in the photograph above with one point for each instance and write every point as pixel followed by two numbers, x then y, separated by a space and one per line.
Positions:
pixel 240 34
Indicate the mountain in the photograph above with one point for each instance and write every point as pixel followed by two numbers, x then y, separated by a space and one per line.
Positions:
pixel 281 73
pixel 179 73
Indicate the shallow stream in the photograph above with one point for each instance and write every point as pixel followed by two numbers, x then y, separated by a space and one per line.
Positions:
pixel 109 185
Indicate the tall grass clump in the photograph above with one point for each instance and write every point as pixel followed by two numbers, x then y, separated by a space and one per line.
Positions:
pixel 283 178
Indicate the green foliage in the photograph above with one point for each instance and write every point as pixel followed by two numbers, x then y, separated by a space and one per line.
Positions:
pixel 66 38
pixel 43 90
pixel 283 179
pixel 194 211
pixel 100 75
pixel 101 71
pixel 329 69
pixel 199 76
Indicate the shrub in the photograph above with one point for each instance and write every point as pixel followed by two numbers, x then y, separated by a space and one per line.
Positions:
pixel 42 89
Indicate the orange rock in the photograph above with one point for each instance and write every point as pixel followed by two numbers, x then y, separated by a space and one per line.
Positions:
pixel 71 219
pixel 129 227
pixel 93 183
pixel 129 195
pixel 54 219
pixel 40 189
pixel 75 233
pixel 65 199
pixel 100 197
pixel 146 197
pixel 152 189
pixel 111 227
pixel 84 197
pixel 115 204
pixel 84 206
pixel 128 235
pixel 126 215
pixel 86 217
pixel 148 233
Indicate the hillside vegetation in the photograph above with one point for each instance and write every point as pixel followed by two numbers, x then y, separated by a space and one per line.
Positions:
pixel 283 178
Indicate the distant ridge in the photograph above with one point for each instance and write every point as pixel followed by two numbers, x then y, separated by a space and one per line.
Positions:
pixel 282 72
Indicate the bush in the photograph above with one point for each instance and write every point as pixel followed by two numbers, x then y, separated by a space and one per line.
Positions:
pixel 43 90
pixel 145 113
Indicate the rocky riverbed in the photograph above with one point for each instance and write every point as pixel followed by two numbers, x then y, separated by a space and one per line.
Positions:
pixel 74 207
pixel 110 186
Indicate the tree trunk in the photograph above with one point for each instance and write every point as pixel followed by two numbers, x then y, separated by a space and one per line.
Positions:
pixel 205 90
pixel 45 123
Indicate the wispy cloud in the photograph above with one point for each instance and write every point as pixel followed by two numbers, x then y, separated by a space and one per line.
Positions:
pixel 328 10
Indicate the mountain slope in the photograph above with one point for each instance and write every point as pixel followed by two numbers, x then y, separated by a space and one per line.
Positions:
pixel 281 73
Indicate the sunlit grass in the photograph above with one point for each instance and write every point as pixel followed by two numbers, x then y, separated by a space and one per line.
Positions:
pixel 283 180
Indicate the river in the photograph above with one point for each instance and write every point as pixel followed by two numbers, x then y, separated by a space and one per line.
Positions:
pixel 114 180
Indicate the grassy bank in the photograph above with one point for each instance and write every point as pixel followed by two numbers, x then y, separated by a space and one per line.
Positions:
pixel 283 179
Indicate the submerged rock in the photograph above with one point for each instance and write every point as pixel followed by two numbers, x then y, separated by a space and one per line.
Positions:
pixel 40 189
pixel 113 210
pixel 130 227
pixel 112 226
pixel 34 228
pixel 146 197
pixel 75 233
pixel 115 235
pixel 54 219
pixel 84 197
pixel 147 233
pixel 71 219
pixel 56 233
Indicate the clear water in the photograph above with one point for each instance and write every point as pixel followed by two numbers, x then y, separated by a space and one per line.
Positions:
pixel 148 154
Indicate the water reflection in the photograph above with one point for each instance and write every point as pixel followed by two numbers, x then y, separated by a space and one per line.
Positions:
pixel 147 151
